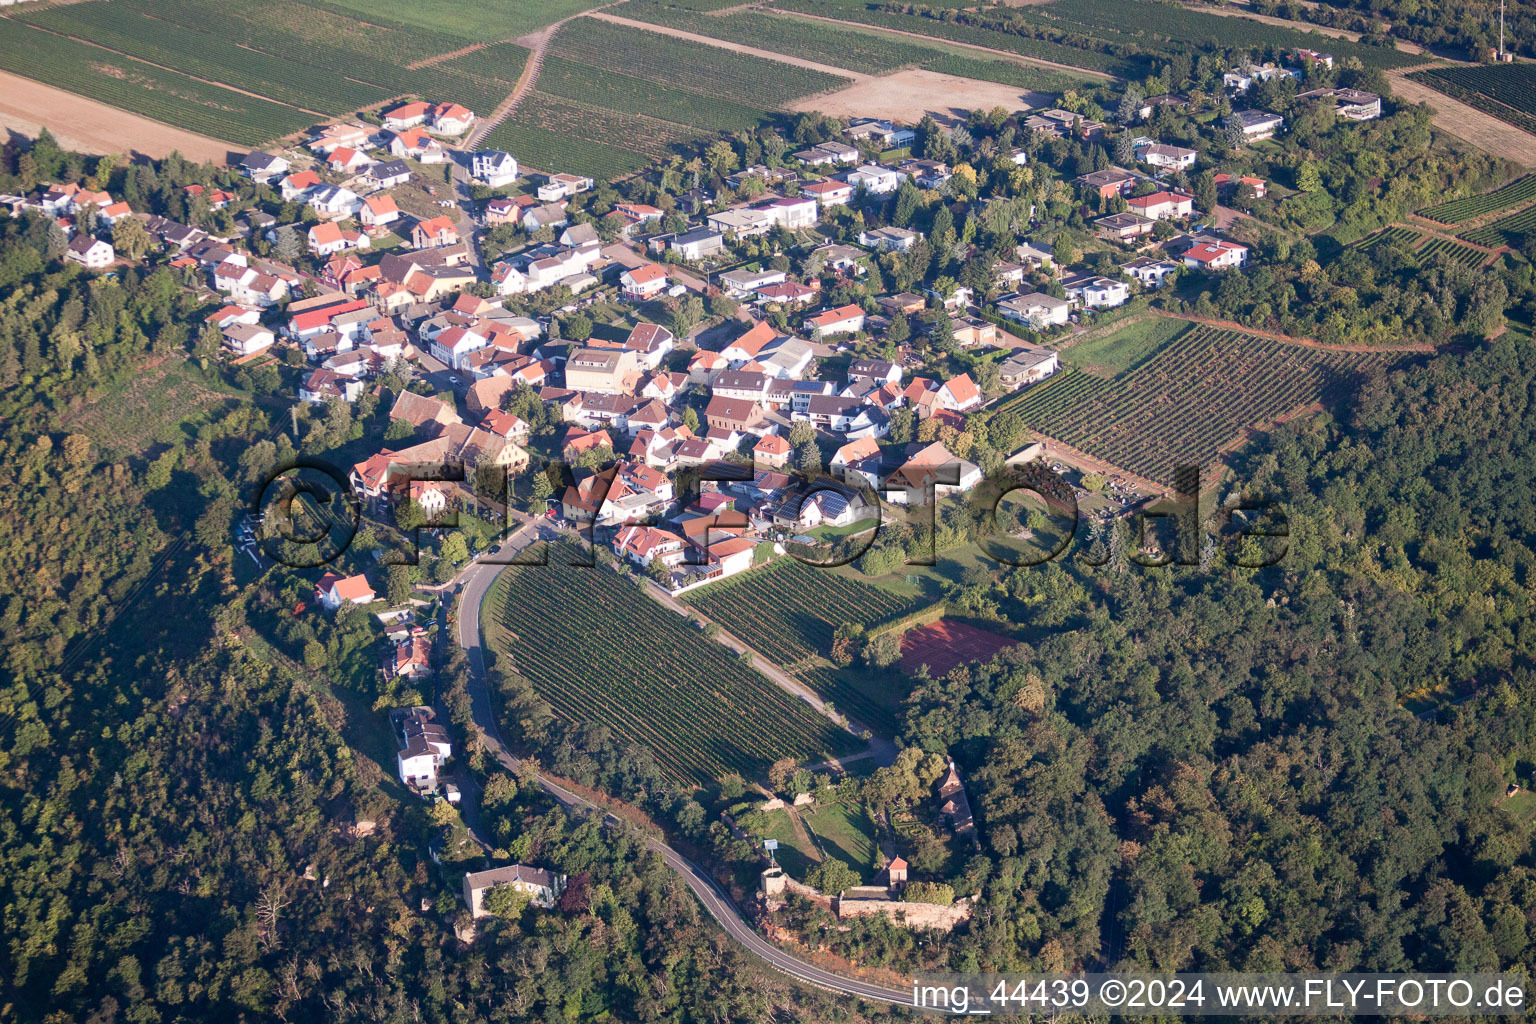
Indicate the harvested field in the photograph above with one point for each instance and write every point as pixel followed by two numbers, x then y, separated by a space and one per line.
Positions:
pixel 906 95
pixel 947 643
pixel 88 126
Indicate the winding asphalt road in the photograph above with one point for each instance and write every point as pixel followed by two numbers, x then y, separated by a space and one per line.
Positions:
pixel 473 586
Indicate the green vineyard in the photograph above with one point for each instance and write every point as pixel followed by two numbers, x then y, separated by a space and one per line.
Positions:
pixel 301 59
pixel 1459 211
pixel 1511 231
pixel 1464 255
pixel 789 610
pixel 598 650
pixel 1189 401
pixel 144 89
pixel 1505 91
pixel 859 694
pixel 1393 235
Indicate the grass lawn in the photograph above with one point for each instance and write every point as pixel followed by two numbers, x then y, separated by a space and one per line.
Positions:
pixel 1522 805
pixel 828 532
pixel 791 855
pixel 1122 349
pixel 846 833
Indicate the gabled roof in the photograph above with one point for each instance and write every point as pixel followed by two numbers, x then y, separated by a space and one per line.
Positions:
pixel 646 274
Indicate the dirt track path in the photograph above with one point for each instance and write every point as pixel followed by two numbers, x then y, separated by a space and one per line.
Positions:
pixel 935 41
pixel 782 58
pixel 1484 131
pixel 537 43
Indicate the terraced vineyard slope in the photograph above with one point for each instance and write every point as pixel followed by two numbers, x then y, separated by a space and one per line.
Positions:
pixel 1189 401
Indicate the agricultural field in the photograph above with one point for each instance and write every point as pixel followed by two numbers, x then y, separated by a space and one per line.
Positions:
pixel 1459 211
pixel 788 610
pixel 943 31
pixel 1505 91
pixel 309 59
pixel 1188 401
pixel 598 650
pixel 156 93
pixel 475 20
pixel 1511 230
pixel 681 64
pixel 548 133
pixel 639 96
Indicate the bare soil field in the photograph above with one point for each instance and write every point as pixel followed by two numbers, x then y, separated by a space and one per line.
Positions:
pixel 1482 130
pixel 906 95
pixel 86 126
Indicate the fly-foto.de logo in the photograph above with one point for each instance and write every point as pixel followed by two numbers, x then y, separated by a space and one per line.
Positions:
pixel 308 512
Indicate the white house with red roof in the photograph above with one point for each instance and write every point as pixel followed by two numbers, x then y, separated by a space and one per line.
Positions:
pixel 959 394
pixel 379 210
pixel 434 233
pixel 450 118
pixel 407 115
pixel 842 320
pixel 1216 254
pixel 646 544
pixel 335 590
pixel 1162 205
pixel 643 282
pixel 830 193
pixel 345 160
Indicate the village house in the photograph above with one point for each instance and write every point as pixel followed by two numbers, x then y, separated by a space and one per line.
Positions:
pixel 387 174
pixel 643 282
pixel 1108 182
pixel 887 134
pixel 1230 184
pixel 91 253
pixel 1215 254
pixel 930 472
pixel 334 591
pixel 1174 158
pixel 417 145
pixel 601 370
pixel 830 193
pixel 1150 271
pixel 1027 366
pixel 411 658
pixel 329 237
pixel 740 283
pixel 1090 291
pixel 735 414
pixel 423 748
pixel 450 119
pixel 889 239
pixel 434 233
pixel 263 168
pixel 1123 227
pixel 345 160
pixel 246 339
pixel 644 545
pixel 559 186
pixel 378 211
pixel 697 244
pixel 1240 79
pixel 874 180
pixel 1035 310
pixel 842 320
pixel 1258 125
pixel 493 168
pixel 772 450
pixel 550 215
pixel 1162 205
pixel 542 887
